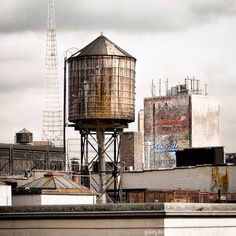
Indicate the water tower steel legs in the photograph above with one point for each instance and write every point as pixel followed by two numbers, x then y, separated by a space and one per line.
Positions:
pixel 101 165
pixel 115 174
pixel 84 148
pixel 82 140
pixel 108 176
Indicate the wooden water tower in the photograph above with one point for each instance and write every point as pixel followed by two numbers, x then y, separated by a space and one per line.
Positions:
pixel 101 101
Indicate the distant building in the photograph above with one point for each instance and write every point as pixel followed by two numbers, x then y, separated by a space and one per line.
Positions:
pixel 182 119
pixel 16 159
pixel 131 144
pixel 26 155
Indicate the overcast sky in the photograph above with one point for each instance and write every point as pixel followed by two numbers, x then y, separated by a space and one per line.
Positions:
pixel 170 39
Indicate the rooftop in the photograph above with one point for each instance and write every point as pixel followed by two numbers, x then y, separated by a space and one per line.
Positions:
pixel 53 182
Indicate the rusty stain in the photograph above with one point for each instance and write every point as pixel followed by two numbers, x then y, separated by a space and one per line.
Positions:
pixel 73 190
pixel 219 181
pixel 225 181
pixel 104 93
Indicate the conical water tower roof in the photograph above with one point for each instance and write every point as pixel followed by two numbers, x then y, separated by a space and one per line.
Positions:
pixel 23 131
pixel 101 46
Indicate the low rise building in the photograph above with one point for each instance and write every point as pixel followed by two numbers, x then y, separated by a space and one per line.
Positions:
pixel 52 189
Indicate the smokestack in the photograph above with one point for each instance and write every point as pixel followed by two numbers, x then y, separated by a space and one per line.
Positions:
pixel 198 86
pixel 191 84
pixel 179 87
pixel 153 89
pixel 159 87
pixel 167 90
pixel 187 84
pixel 206 92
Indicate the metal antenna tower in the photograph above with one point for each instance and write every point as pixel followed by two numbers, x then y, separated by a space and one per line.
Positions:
pixel 52 112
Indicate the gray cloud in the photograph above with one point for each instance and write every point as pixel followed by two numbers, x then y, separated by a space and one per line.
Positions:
pixel 24 15
pixel 213 8
pixel 9 85
pixel 123 15
pixel 20 68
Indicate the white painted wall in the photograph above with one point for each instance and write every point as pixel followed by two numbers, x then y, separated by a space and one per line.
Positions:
pixel 67 199
pixel 199 226
pixel 205 121
pixel 5 195
pixel 198 178
pixel 38 199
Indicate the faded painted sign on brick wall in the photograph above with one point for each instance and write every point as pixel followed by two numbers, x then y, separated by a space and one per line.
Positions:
pixel 166 128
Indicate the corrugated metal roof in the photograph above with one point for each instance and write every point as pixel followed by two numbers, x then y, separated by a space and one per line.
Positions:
pixel 56 182
pixel 101 46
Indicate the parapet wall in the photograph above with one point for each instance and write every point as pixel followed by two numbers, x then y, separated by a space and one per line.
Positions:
pixel 120 219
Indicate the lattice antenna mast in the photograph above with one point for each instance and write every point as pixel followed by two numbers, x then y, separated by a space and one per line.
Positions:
pixel 52 113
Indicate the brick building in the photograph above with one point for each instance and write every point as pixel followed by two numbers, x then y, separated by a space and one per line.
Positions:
pixel 177 121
